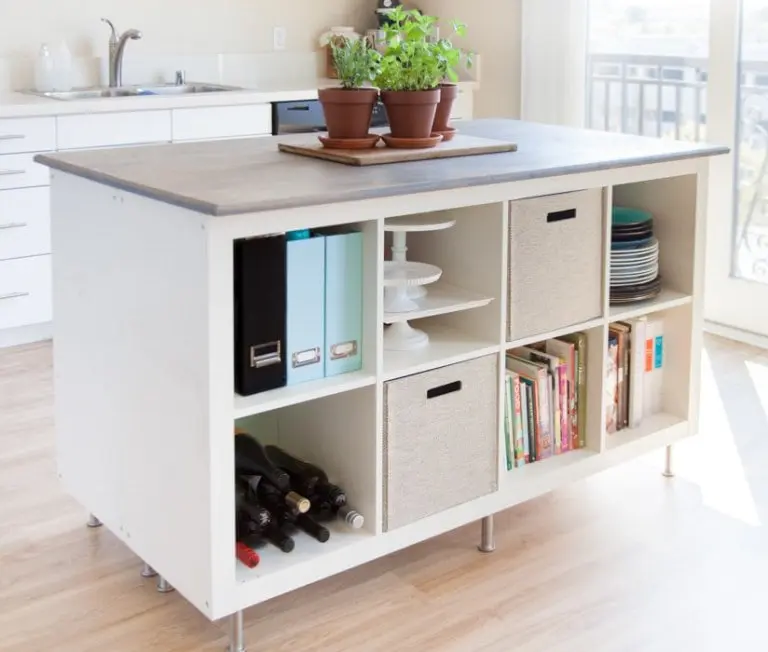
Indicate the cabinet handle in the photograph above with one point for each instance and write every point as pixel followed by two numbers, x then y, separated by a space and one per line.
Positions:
pixel 12 136
pixel 14 295
pixel 7 173
pixel 559 216
pixel 444 389
pixel 12 225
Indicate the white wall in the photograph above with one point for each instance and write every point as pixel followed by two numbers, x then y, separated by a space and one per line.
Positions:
pixel 170 27
pixel 173 26
pixel 493 30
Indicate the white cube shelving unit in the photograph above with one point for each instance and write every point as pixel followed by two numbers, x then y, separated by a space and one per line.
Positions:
pixel 145 405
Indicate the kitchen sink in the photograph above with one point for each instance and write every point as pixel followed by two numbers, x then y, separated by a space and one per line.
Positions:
pixel 134 91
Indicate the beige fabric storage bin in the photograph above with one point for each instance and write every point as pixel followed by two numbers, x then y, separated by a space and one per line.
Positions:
pixel 555 262
pixel 441 439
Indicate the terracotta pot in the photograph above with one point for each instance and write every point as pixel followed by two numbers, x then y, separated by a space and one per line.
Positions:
pixel 348 112
pixel 411 113
pixel 448 95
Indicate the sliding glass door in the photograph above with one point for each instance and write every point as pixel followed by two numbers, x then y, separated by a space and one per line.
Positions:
pixel 697 70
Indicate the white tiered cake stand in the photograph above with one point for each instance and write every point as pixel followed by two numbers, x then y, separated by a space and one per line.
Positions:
pixel 399 278
pixel 400 226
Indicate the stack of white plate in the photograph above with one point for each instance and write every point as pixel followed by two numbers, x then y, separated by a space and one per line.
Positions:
pixel 634 257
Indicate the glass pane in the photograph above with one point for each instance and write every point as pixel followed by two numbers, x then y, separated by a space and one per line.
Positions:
pixel 750 246
pixel 648 67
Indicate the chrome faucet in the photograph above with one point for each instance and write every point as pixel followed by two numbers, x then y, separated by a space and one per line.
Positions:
pixel 116 50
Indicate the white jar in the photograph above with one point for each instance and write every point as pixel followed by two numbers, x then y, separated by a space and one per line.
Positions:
pixel 45 69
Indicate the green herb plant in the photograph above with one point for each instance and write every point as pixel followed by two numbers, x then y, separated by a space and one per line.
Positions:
pixel 414 60
pixel 356 62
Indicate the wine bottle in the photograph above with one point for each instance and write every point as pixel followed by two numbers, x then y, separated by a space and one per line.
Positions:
pixel 274 499
pixel 350 517
pixel 247 555
pixel 275 535
pixel 313 528
pixel 328 500
pixel 251 458
pixel 308 479
pixel 251 531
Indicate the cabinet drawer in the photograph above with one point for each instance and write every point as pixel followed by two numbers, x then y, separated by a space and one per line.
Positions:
pixel 440 440
pixel 25 291
pixel 25 225
pixel 222 122
pixel 20 135
pixel 555 262
pixel 21 171
pixel 111 129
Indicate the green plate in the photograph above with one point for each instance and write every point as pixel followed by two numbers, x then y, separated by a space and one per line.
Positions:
pixel 630 216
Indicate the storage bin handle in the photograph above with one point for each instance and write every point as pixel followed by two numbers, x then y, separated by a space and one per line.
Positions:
pixel 559 216
pixel 448 388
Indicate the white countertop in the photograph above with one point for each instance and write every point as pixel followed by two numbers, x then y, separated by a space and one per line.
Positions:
pixel 19 105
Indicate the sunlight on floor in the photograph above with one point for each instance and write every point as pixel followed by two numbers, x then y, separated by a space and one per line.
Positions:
pixel 712 460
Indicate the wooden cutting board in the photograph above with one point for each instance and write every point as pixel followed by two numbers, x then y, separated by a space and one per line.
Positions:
pixel 461 145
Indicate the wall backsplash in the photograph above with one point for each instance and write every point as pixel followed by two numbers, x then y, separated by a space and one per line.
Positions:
pixel 170 27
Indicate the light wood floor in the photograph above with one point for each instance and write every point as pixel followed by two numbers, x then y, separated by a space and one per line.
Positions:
pixel 625 562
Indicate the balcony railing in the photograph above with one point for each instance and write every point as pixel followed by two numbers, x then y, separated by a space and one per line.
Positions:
pixel 648 95
pixel 667 97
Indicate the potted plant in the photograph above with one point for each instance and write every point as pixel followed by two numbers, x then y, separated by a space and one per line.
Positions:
pixel 348 109
pixel 449 58
pixel 412 68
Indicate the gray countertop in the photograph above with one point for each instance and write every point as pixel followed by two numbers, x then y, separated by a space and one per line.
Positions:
pixel 232 177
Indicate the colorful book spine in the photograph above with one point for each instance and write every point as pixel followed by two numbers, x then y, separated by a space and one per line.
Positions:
pixel 567 352
pixel 612 385
pixel 654 367
pixel 637 372
pixel 565 430
pixel 519 447
pixel 533 423
pixel 508 420
pixel 526 428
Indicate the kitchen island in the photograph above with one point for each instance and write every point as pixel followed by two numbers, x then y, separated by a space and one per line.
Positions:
pixel 144 322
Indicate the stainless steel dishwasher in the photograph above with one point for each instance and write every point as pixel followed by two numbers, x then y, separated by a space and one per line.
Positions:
pixel 307 117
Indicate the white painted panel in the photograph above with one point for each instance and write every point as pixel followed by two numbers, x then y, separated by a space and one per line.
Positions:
pixel 131 389
pixel 108 129
pixel 19 135
pixel 21 171
pixel 25 223
pixel 25 291
pixel 222 122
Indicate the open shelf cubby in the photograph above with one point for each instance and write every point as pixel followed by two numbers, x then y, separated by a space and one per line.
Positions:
pixel 592 429
pixel 678 368
pixel 461 312
pixel 339 433
pixel 673 203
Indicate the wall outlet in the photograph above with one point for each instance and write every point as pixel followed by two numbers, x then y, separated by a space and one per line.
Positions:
pixel 279 36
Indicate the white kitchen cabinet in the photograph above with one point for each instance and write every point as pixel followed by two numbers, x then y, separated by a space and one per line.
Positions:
pixel 21 135
pixel 25 291
pixel 463 107
pixel 25 222
pixel 112 129
pixel 210 123
pixel 21 171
